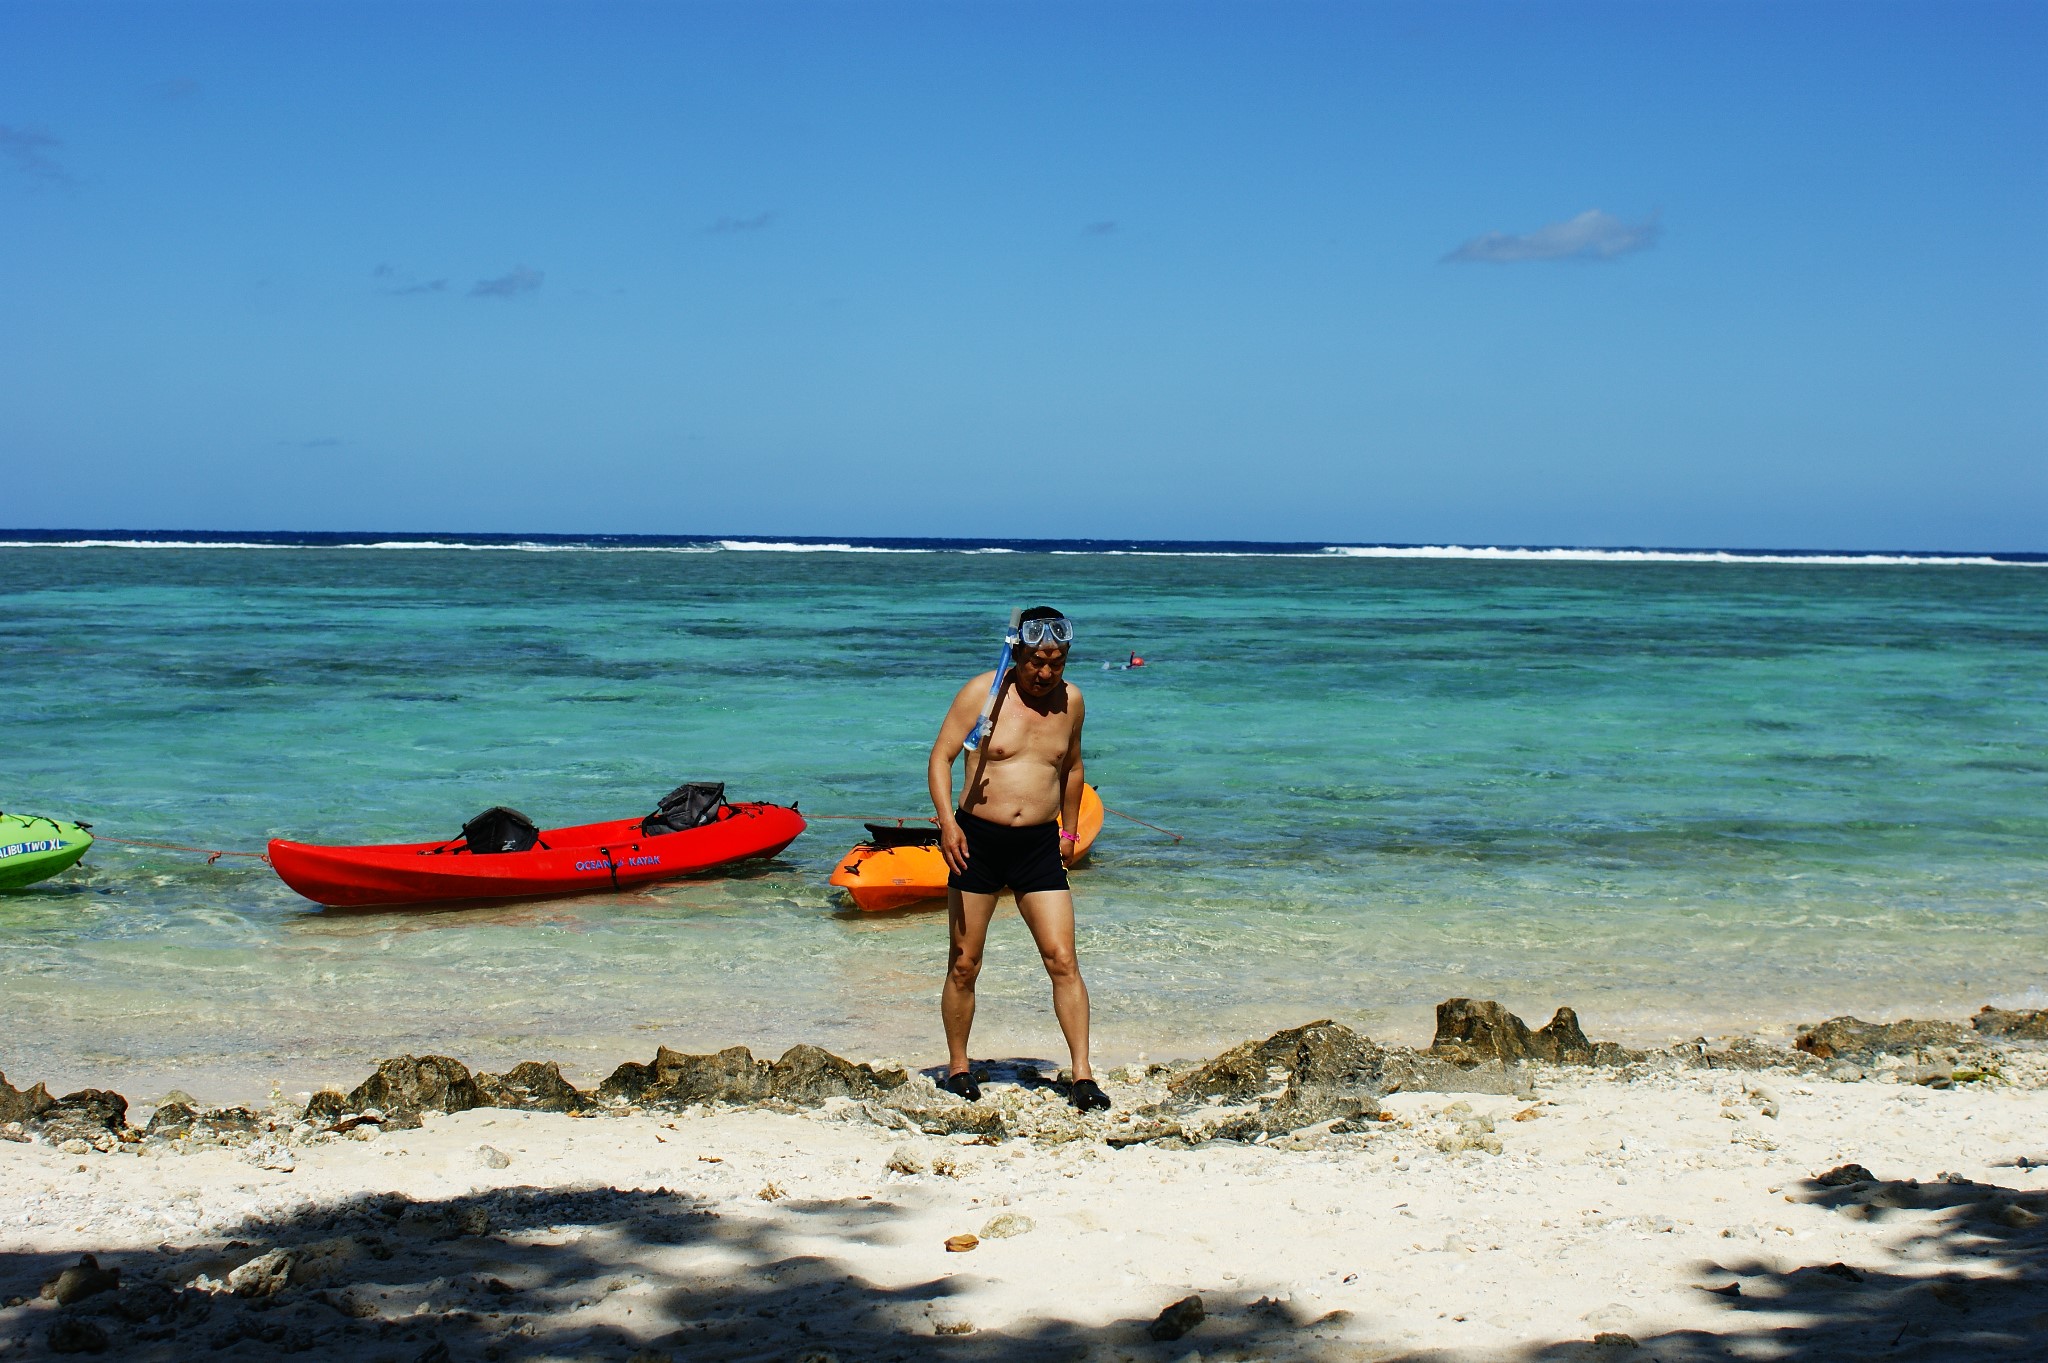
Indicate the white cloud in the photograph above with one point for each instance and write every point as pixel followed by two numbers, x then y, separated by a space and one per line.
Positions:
pixel 1592 235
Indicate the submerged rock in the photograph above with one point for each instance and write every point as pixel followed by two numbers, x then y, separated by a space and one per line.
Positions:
pixel 1849 1038
pixel 2025 1024
pixel 531 1085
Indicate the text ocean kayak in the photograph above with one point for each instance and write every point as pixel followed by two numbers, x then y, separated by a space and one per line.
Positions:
pixel 34 848
pixel 896 868
pixel 578 860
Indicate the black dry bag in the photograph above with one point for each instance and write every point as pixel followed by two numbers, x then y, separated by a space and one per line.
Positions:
pixel 499 829
pixel 882 836
pixel 687 806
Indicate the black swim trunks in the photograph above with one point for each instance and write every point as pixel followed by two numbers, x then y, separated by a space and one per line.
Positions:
pixel 999 855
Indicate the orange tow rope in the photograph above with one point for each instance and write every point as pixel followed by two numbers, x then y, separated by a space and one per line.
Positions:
pixel 1153 826
pixel 211 855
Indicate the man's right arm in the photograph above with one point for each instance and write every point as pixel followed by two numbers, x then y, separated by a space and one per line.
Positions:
pixel 960 720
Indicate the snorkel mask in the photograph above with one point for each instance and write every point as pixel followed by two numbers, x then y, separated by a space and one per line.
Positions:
pixel 1057 632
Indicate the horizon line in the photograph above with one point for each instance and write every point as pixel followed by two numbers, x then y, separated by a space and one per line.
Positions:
pixel 83 537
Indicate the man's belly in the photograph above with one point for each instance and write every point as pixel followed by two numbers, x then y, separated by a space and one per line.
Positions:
pixel 1016 792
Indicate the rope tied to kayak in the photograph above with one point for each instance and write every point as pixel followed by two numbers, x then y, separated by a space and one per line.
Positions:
pixel 212 855
pixel 1153 826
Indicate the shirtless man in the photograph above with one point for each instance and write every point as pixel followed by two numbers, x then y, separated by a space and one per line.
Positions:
pixel 1026 772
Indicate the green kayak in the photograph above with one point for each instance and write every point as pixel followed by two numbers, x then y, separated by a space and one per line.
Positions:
pixel 33 848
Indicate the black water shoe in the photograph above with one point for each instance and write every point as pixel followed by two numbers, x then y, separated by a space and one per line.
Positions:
pixel 1088 1097
pixel 962 1085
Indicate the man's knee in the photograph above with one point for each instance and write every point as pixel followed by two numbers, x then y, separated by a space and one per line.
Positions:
pixel 964 971
pixel 1061 964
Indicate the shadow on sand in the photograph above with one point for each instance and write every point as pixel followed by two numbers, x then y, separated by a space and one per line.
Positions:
pixel 1970 1285
pixel 527 1274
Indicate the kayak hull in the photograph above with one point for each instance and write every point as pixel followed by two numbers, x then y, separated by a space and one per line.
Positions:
pixel 33 848
pixel 585 859
pixel 880 879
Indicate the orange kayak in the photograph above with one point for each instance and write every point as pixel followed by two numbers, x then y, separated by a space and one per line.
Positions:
pixel 898 867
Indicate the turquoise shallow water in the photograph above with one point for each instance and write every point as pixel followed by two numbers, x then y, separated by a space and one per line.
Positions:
pixel 1681 797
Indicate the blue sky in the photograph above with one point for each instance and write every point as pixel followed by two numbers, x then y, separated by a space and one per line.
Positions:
pixel 1681 274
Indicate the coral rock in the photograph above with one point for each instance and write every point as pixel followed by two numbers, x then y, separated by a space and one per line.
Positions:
pixel 1853 1039
pixel 2026 1024
pixel 19 1105
pixel 531 1085
pixel 405 1086
pixel 1177 1319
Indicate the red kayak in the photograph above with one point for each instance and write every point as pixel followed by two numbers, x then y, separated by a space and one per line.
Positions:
pixel 589 857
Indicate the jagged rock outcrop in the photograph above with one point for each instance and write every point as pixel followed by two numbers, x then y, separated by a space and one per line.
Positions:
pixel 809 1075
pixel 674 1079
pixel 226 1125
pixel 805 1075
pixel 95 1116
pixel 170 1120
pixel 1320 1055
pixel 1303 1076
pixel 23 1105
pixel 405 1086
pixel 1472 1031
pixel 1848 1038
pixel 531 1085
pixel 2021 1024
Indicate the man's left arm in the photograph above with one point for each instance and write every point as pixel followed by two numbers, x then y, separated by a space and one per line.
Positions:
pixel 1072 779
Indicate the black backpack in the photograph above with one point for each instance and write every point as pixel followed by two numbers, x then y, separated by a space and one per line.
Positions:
pixel 499 829
pixel 687 806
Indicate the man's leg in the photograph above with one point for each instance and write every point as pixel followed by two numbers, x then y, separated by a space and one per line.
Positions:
pixel 967 915
pixel 1050 916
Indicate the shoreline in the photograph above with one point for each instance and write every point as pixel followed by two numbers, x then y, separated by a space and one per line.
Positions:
pixel 587 1059
pixel 1510 1192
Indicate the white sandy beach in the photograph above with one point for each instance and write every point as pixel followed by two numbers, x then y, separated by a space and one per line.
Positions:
pixel 1672 1214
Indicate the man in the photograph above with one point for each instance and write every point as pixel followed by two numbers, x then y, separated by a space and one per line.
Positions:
pixel 1026 772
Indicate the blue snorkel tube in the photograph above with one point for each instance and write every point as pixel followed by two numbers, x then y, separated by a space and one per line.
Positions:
pixel 995 688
